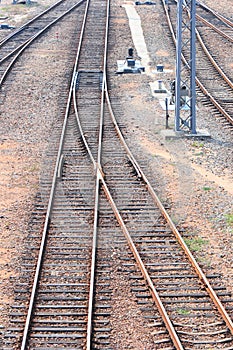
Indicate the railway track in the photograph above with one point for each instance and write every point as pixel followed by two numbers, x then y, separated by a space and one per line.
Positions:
pixel 213 72
pixel 13 45
pixel 217 34
pixel 222 19
pixel 104 225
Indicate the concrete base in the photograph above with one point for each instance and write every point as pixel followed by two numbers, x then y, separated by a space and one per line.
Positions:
pixel 165 71
pixel 158 90
pixel 124 68
pixel 169 134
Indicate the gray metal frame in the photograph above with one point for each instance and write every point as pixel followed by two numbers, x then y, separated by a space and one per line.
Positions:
pixel 185 115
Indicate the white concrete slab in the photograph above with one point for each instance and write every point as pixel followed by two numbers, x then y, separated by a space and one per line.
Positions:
pixel 169 134
pixel 138 37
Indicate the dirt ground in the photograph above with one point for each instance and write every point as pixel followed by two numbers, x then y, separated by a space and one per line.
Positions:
pixel 193 176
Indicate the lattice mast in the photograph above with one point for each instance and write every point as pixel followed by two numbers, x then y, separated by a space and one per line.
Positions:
pixel 185 86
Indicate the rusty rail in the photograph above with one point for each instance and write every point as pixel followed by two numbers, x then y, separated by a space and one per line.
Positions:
pixel 48 213
pixel 210 25
pixel 28 42
pixel 178 236
pixel 218 15
pixel 155 295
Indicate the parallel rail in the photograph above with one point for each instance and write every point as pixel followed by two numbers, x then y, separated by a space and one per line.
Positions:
pixel 71 300
pixel 12 47
pixel 218 15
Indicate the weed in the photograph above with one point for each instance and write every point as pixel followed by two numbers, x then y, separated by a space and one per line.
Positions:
pixel 34 167
pixel 195 244
pixel 197 144
pixel 183 312
pixel 229 219
pixel 4 8
pixel 199 154
pixel 206 188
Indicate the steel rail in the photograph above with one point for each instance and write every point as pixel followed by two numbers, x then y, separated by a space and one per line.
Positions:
pixel 93 265
pixel 218 15
pixel 74 87
pixel 178 236
pixel 100 177
pixel 220 71
pixel 22 28
pixel 34 37
pixel 201 86
pixel 212 26
pixel 192 260
pixel 203 279
pixel 13 51
pixel 48 215
pixel 172 332
pixel 97 189
pixel 79 123
pixel 3 41
pixel 99 174
pixel 212 60
pixel 155 296
pixel 215 102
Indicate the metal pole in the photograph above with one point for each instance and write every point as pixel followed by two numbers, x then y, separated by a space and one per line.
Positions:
pixel 193 67
pixel 167 114
pixel 178 64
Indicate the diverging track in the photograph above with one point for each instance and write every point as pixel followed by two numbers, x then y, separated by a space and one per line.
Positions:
pixel 12 47
pixel 103 215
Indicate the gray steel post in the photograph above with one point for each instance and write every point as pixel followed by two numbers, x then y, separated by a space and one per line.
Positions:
pixel 193 67
pixel 178 64
pixel 186 38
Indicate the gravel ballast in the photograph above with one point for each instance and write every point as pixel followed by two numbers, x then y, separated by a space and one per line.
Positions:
pixel 193 176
